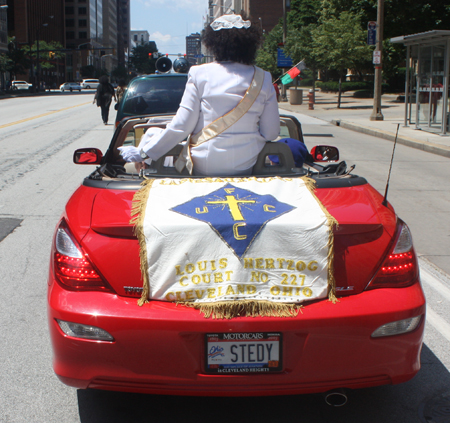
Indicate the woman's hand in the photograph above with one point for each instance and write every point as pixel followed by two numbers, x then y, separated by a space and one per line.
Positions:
pixel 130 154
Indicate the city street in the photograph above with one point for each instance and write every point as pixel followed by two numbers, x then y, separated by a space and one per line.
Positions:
pixel 38 135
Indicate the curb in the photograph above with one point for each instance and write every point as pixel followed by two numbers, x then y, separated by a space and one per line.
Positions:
pixel 427 146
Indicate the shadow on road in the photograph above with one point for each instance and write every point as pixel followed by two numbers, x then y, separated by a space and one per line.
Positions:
pixel 388 404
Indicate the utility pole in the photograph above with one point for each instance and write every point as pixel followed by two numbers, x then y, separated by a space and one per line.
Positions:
pixel 286 4
pixel 376 112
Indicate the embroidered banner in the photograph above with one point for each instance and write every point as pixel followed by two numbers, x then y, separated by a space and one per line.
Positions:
pixel 234 246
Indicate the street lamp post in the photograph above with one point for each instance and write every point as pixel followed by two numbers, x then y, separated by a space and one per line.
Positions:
pixel 376 112
pixel 4 7
pixel 286 5
pixel 38 64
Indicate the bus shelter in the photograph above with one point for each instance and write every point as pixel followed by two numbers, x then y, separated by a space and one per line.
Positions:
pixel 427 82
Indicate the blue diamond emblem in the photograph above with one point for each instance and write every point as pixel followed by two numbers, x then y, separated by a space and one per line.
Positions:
pixel 237 215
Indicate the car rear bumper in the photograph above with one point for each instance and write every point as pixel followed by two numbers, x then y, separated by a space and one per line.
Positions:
pixel 160 348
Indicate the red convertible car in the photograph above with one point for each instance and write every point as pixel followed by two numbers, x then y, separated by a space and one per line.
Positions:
pixel 103 339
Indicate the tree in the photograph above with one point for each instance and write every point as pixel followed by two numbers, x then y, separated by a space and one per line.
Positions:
pixel 141 58
pixel 48 52
pixel 18 62
pixel 120 72
pixel 348 50
pixel 299 46
pixel 267 55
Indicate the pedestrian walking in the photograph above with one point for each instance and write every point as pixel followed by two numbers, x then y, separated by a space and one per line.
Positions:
pixel 103 97
pixel 120 90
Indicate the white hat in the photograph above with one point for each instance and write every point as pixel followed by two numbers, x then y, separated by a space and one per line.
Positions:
pixel 229 21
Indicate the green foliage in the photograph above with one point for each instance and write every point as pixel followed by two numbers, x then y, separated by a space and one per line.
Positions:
pixel 120 72
pixel 18 61
pixel 346 51
pixel 5 63
pixel 299 46
pixel 331 35
pixel 140 59
pixel 363 94
pixel 48 52
pixel 267 56
pixel 303 13
pixel 333 86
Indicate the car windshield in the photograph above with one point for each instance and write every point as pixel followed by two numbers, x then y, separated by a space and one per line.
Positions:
pixel 154 95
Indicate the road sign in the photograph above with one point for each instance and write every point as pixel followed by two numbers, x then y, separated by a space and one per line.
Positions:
pixel 282 60
pixel 376 57
pixel 199 56
pixel 372 33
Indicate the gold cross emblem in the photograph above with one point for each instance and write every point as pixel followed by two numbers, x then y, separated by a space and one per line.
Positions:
pixel 233 203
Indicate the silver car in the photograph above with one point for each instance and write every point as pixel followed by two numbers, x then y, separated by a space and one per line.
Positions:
pixel 20 85
pixel 90 83
pixel 70 86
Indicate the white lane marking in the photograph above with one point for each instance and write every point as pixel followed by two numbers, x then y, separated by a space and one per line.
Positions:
pixel 433 282
pixel 429 276
pixel 438 323
pixel 42 115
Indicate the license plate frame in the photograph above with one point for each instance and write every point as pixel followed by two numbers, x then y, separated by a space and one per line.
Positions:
pixel 252 352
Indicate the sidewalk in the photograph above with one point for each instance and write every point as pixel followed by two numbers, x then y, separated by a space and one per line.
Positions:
pixel 354 114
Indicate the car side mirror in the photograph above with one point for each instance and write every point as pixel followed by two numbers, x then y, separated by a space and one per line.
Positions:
pixel 325 153
pixel 87 156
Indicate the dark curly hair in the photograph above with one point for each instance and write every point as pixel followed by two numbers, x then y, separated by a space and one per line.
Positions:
pixel 235 44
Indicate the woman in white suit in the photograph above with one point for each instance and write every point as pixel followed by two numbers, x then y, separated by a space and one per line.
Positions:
pixel 212 91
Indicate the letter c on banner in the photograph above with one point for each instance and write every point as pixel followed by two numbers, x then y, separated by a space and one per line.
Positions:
pixel 236 233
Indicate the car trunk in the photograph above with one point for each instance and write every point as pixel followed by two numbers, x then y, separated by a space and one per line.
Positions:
pixel 361 240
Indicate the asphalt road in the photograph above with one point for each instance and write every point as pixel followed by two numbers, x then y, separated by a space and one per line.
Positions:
pixel 37 138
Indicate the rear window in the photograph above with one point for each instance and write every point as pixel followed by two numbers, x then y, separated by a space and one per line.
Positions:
pixel 154 95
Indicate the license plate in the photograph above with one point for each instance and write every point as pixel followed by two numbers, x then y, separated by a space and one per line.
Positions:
pixel 254 352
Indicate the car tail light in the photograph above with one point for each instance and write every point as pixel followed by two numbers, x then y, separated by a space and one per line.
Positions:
pixel 400 267
pixel 71 266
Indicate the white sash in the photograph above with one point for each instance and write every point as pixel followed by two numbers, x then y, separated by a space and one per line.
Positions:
pixel 221 124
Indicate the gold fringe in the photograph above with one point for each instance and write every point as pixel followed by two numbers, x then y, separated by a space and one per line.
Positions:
pixel 332 224
pixel 247 308
pixel 137 219
pixel 230 309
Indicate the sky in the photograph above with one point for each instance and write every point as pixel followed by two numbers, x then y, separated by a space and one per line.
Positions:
pixel 169 21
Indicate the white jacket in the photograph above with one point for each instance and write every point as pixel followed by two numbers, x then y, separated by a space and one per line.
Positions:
pixel 212 90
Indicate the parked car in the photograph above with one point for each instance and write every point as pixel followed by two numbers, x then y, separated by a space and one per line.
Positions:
pixel 70 86
pixel 102 339
pixel 20 85
pixel 90 83
pixel 150 94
